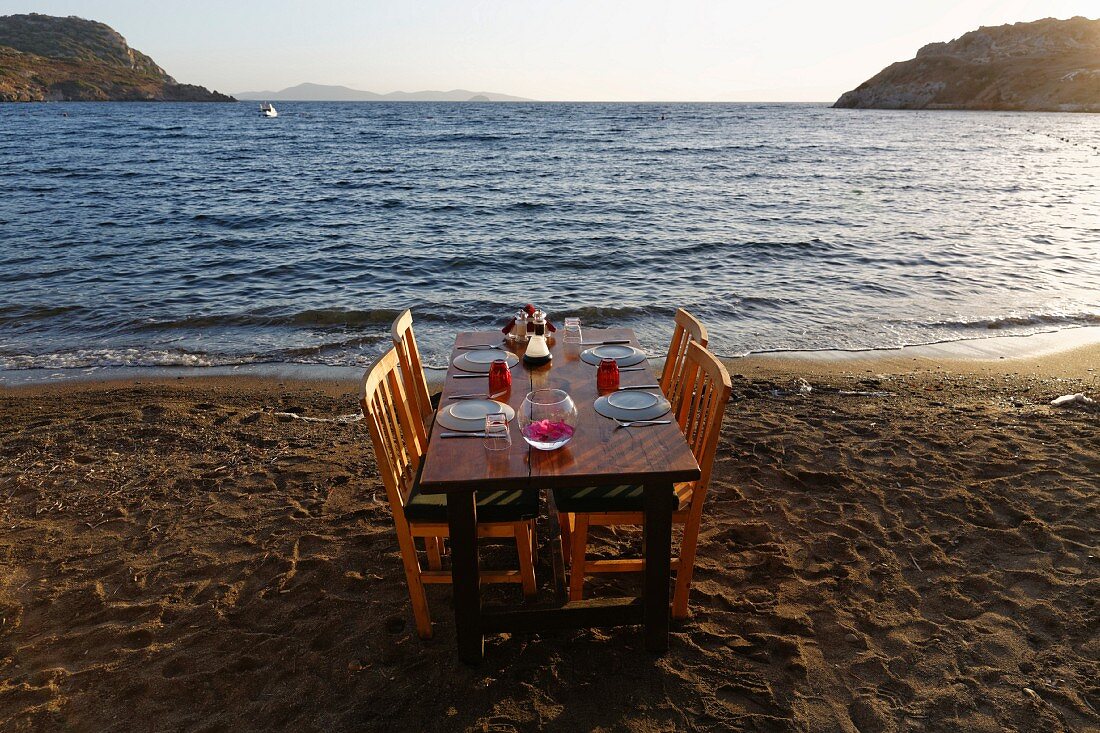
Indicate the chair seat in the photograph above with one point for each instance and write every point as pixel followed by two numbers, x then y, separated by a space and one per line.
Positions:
pixel 492 506
pixel 599 499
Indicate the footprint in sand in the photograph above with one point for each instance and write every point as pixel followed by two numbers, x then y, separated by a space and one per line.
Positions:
pixel 138 639
pixel 152 413
pixel 174 668
pixel 868 716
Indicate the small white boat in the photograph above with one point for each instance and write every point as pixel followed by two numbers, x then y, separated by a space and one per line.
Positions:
pixel 268 110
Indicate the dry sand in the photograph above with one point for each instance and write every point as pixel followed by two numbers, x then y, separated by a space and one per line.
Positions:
pixel 920 557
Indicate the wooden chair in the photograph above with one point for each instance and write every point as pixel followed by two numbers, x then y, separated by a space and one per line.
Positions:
pixel 412 372
pixel 707 389
pixel 688 330
pixel 399 449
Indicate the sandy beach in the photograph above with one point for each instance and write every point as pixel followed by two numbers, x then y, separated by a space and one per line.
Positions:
pixel 912 545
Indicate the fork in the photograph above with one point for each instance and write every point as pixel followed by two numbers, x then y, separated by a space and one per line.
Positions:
pixel 642 422
pixel 475 396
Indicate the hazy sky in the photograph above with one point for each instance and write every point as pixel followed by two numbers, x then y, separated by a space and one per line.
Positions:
pixel 797 50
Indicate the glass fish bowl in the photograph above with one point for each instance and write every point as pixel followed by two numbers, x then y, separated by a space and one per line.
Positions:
pixel 547 418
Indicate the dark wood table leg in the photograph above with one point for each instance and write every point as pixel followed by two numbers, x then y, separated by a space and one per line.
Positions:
pixel 658 563
pixel 462 518
pixel 557 554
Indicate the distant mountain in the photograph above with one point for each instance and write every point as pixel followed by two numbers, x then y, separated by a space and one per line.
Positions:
pixel 43 58
pixel 326 93
pixel 1048 65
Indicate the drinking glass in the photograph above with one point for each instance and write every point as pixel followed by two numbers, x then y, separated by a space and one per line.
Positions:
pixel 497 435
pixel 547 418
pixel 572 331
pixel 500 377
pixel 607 375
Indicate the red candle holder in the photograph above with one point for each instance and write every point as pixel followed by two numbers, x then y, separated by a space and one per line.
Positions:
pixel 500 377
pixel 607 375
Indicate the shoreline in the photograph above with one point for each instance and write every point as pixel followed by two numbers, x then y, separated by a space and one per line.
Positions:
pixel 1067 352
pixel 1073 352
pixel 980 348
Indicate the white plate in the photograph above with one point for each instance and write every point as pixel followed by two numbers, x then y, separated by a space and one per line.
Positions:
pixel 613 351
pixel 473 409
pixel 632 400
pixel 484 356
pixel 624 356
pixel 463 362
pixel 468 416
pixel 617 413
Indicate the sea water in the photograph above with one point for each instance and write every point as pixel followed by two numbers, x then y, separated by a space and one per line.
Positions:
pixel 202 234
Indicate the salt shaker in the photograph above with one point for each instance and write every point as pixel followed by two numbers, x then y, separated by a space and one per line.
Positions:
pixel 519 329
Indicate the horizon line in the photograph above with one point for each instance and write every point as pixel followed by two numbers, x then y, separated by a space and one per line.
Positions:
pixel 545 101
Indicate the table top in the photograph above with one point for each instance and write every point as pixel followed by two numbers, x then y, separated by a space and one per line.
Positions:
pixel 597 454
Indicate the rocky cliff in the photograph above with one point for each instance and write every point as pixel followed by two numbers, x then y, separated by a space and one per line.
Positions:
pixel 43 58
pixel 1048 65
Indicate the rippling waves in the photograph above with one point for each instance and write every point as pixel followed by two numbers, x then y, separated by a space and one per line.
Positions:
pixel 136 234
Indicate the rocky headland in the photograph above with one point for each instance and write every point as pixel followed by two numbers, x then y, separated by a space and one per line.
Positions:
pixel 1048 65
pixel 49 59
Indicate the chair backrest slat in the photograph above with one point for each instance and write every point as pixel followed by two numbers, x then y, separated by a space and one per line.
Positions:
pixel 688 330
pixel 707 390
pixel 393 395
pixel 412 370
pixel 392 420
pixel 698 416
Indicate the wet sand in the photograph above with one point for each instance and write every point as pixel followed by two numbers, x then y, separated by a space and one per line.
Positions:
pixel 910 546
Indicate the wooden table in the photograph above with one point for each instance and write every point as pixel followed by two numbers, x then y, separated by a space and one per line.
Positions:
pixel 655 456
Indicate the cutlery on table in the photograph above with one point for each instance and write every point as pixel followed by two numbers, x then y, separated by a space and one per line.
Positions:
pixel 462 435
pixel 482 346
pixel 633 369
pixel 470 376
pixel 643 423
pixel 605 343
pixel 475 396
pixel 640 386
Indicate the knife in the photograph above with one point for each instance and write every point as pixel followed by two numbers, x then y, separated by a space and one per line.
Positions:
pixel 643 423
pixel 640 386
pixel 462 435
pixel 605 343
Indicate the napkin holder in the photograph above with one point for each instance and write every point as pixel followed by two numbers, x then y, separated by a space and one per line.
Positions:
pixel 537 353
